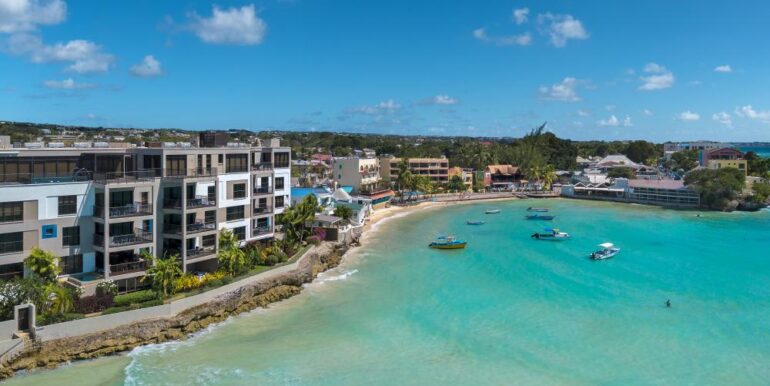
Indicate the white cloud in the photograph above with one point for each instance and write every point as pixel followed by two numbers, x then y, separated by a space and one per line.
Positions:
pixel 648 112
pixel 658 77
pixel 384 107
pixel 583 113
pixel 521 15
pixel 561 28
pixel 84 56
pixel 147 68
pixel 441 99
pixel 237 26
pixel 565 91
pixel 67 84
pixel 749 112
pixel 613 121
pixel 512 40
pixel 688 116
pixel 723 118
pixel 723 68
pixel 27 15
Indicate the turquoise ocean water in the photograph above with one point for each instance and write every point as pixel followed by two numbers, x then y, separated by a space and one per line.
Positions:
pixel 506 310
pixel 761 151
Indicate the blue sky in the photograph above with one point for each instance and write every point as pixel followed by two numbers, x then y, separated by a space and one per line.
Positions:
pixel 658 70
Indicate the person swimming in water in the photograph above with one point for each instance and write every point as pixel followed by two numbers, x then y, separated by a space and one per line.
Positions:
pixel 668 303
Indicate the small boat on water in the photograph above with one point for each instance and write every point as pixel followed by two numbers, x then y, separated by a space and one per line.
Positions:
pixel 492 211
pixel 531 209
pixel 471 222
pixel 607 251
pixel 552 234
pixel 448 242
pixel 540 217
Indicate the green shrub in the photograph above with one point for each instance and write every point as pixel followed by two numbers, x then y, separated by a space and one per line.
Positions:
pixel 134 297
pixel 213 283
pixel 114 310
pixel 44 320
pixel 149 303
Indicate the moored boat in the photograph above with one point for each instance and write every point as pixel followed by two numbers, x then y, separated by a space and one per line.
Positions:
pixel 608 250
pixel 551 234
pixel 448 242
pixel 492 211
pixel 532 209
pixel 540 217
pixel 471 222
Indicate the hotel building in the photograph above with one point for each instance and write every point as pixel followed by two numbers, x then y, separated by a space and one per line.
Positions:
pixel 437 169
pixel 99 207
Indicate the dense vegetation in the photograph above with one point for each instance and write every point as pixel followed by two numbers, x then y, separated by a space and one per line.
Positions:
pixel 717 187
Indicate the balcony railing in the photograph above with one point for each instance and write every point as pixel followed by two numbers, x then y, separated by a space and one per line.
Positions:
pixel 195 253
pixel 31 178
pixel 201 226
pixel 133 209
pixel 266 166
pixel 11 247
pixel 126 177
pixel 189 173
pixel 129 267
pixel 263 189
pixel 259 210
pixel 200 202
pixel 261 230
pixel 140 236
pixel 11 275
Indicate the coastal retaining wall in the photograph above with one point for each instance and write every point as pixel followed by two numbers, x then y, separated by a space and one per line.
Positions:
pixel 110 334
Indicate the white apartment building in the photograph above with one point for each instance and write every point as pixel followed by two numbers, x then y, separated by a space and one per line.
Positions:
pixel 98 209
pixel 360 173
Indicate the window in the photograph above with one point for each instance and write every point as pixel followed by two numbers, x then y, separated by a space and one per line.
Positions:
pixel 239 191
pixel 68 205
pixel 279 183
pixel 279 201
pixel 240 233
pixel 11 242
pixel 145 197
pixel 176 165
pixel 221 158
pixel 71 264
pixel 281 160
pixel 10 271
pixel 70 236
pixel 11 211
pixel 210 216
pixel 237 163
pixel 209 240
pixel 235 213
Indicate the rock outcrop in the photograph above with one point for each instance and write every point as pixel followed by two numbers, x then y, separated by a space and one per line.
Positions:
pixel 126 337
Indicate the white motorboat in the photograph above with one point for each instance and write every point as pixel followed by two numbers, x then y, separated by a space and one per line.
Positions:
pixel 551 234
pixel 607 251
pixel 492 211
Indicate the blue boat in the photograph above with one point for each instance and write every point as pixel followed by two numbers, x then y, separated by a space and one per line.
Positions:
pixel 531 209
pixel 540 217
pixel 470 222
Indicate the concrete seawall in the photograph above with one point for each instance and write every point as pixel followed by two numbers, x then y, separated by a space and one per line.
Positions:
pixel 109 334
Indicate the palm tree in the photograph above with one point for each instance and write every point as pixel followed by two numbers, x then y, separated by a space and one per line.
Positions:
pixel 343 212
pixel 549 176
pixel 232 259
pixel 404 177
pixel 59 299
pixel 534 173
pixel 163 272
pixel 42 264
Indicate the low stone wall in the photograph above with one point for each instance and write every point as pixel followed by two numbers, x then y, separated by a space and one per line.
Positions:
pixel 110 334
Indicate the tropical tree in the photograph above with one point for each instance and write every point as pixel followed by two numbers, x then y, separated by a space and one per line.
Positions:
pixel 163 272
pixel 716 187
pixel 59 300
pixel 404 176
pixel 42 264
pixel 232 259
pixel 456 183
pixel 622 172
pixel 549 176
pixel 343 212
pixel 295 219
pixel 533 173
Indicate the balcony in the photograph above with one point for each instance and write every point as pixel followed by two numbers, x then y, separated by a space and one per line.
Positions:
pixel 201 226
pixel 263 166
pixel 260 210
pixel 263 190
pixel 261 231
pixel 191 173
pixel 200 202
pixel 31 178
pixel 197 252
pixel 126 177
pixel 140 236
pixel 129 210
pixel 129 267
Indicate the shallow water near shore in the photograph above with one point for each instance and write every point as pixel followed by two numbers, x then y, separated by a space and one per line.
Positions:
pixel 506 310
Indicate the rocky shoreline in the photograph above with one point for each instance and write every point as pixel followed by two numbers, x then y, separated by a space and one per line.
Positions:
pixel 123 338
